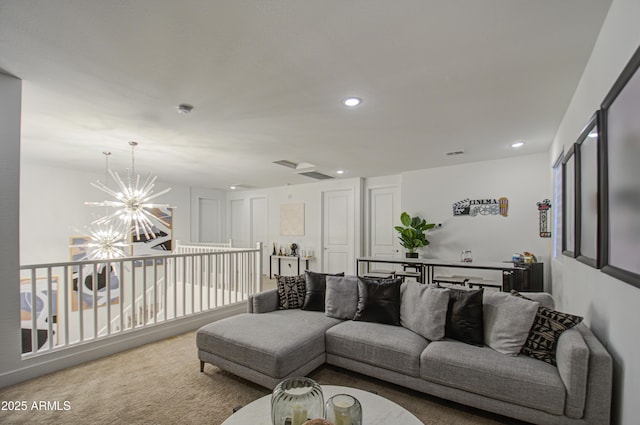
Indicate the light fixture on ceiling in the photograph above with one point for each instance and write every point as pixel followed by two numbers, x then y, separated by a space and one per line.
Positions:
pixel 132 202
pixel 352 101
pixel 232 187
pixel 185 108
pixel 109 239
pixel 339 171
pixel 518 144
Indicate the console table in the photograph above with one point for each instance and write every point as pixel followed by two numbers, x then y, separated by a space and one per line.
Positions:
pixel 290 258
pixel 521 278
pixel 376 410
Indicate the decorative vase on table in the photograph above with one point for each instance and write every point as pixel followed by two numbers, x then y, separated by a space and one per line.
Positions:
pixel 343 409
pixel 295 400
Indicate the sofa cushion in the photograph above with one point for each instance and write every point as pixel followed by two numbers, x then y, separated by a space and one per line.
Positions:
pixel 423 309
pixel 464 316
pixel 274 344
pixel 390 347
pixel 291 291
pixel 316 288
pixel 481 370
pixel 507 321
pixel 341 299
pixel 379 301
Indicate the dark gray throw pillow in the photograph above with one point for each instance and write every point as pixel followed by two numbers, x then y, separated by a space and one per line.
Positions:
pixel 465 317
pixel 316 288
pixel 379 301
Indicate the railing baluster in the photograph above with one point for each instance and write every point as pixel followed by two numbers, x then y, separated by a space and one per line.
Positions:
pixel 108 298
pixel 81 300
pixel 155 291
pixel 121 295
pixel 50 308
pixel 133 294
pixel 96 283
pixel 144 292
pixel 34 313
pixel 66 305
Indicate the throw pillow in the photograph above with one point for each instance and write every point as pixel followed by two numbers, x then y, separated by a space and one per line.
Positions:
pixel 465 321
pixel 423 309
pixel 547 327
pixel 507 321
pixel 379 301
pixel 316 288
pixel 341 299
pixel 291 290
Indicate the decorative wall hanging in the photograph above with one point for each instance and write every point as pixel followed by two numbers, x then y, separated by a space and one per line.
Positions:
pixel 620 183
pixel 292 219
pixel 474 207
pixel 38 305
pixel 543 209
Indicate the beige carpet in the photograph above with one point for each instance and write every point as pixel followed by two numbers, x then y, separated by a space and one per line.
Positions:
pixel 161 383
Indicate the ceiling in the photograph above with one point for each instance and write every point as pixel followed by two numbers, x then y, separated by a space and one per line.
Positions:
pixel 267 79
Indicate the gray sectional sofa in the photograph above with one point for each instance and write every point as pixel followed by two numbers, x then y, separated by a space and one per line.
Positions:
pixel 267 345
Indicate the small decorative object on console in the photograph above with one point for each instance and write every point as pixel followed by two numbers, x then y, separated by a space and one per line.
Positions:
pixel 294 249
pixel 295 400
pixel 466 256
pixel 343 409
pixel 317 422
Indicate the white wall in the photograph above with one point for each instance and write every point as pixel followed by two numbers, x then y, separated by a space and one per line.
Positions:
pixel 309 194
pixel 523 180
pixel 52 209
pixel 10 101
pixel 609 306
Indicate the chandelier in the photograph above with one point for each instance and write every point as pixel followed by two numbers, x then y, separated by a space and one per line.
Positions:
pixel 131 201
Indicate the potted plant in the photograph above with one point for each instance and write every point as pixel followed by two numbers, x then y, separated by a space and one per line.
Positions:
pixel 412 234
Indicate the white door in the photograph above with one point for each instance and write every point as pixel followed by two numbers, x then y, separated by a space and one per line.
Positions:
pixel 238 223
pixel 259 228
pixel 338 223
pixel 209 220
pixel 384 215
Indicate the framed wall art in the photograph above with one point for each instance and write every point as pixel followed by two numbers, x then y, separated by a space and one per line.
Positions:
pixel 569 202
pixel 587 200
pixel 620 182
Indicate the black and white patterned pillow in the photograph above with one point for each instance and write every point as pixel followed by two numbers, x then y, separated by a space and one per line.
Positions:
pixel 291 291
pixel 547 327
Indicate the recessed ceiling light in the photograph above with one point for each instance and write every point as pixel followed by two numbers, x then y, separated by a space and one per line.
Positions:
pixel 232 187
pixel 518 144
pixel 593 134
pixel 352 101
pixel 340 172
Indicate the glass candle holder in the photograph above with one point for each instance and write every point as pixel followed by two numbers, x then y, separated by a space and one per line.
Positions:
pixel 343 409
pixel 295 400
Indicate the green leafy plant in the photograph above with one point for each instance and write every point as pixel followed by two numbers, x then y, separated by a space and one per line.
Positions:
pixel 412 235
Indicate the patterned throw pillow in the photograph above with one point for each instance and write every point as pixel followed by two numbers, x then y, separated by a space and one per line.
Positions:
pixel 547 327
pixel 291 290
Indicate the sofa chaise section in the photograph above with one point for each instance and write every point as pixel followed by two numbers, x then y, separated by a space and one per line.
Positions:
pixel 289 343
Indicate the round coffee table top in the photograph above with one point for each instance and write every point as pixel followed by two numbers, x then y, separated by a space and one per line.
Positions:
pixel 376 410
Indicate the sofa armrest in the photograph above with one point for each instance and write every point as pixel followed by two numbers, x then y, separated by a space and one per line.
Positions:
pixel 572 357
pixel 263 302
pixel 597 408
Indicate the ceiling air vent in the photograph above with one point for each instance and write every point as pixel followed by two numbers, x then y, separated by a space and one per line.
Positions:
pixel 455 153
pixel 286 163
pixel 315 175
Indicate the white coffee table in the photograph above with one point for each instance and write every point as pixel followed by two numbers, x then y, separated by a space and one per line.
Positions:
pixel 376 410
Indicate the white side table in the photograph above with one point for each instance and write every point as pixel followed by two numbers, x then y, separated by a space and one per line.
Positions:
pixel 376 410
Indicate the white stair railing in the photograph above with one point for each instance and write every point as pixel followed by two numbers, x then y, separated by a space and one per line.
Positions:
pixel 81 301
